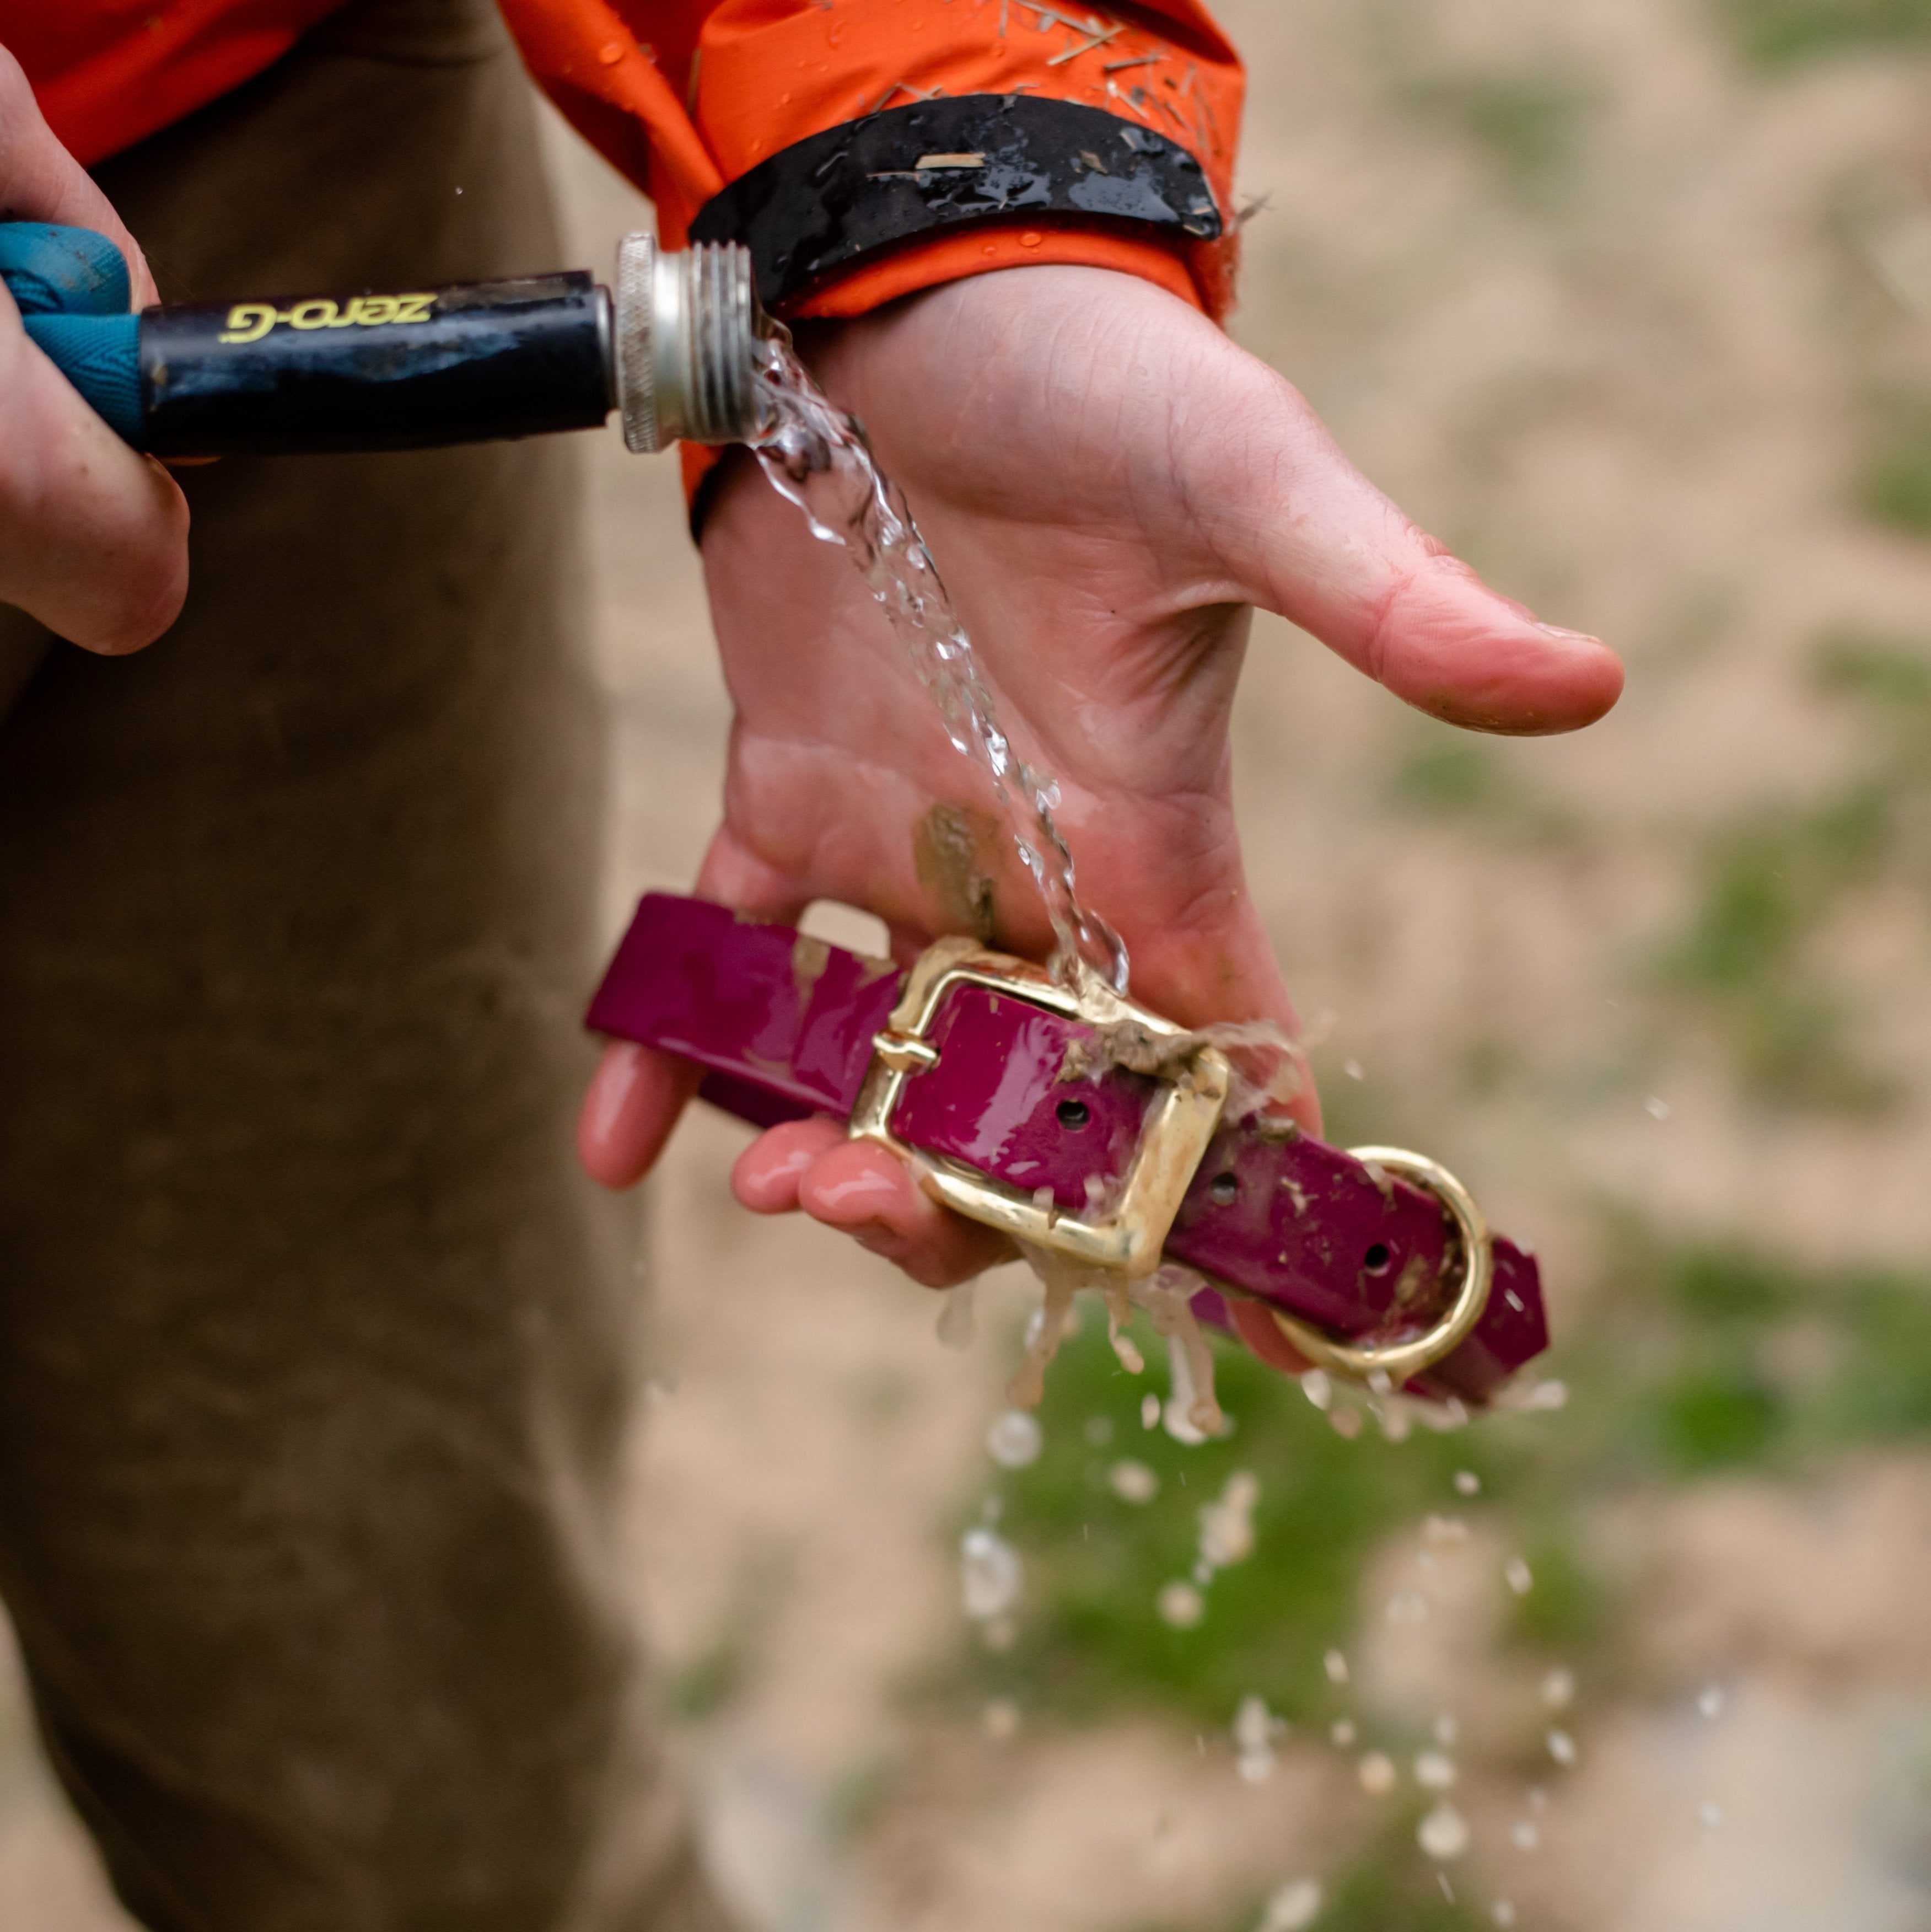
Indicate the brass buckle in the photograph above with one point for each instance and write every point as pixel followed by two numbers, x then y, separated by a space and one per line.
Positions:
pixel 1401 1361
pixel 1172 1144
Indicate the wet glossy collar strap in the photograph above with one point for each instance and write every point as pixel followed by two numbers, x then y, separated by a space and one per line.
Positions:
pixel 1010 1096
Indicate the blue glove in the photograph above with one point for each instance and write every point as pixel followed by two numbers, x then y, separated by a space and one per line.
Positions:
pixel 70 286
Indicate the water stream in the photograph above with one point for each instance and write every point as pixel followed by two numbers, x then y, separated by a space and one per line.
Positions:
pixel 817 455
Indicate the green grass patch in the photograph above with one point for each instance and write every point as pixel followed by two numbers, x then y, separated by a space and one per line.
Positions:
pixel 1387 1888
pixel 1718 1415
pixel 1569 1611
pixel 1895 486
pixel 1444 774
pixel 1766 889
pixel 1448 779
pixel 1783 33
pixel 1752 950
pixel 1699 1330
pixel 1682 1371
pixel 1092 1640
pixel 1384 1887
pixel 711 1680
pixel 1526 127
pixel 1891 673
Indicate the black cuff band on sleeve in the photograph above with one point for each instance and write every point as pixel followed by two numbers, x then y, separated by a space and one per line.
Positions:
pixel 834 198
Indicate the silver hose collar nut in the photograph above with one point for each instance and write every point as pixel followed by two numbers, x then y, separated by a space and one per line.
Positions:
pixel 687 328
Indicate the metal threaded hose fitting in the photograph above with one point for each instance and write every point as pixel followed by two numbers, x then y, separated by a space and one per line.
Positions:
pixel 688 327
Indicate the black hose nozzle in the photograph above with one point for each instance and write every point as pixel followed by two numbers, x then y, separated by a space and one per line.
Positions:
pixel 675 351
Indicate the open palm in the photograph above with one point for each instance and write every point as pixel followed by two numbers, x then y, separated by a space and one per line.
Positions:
pixel 1107 485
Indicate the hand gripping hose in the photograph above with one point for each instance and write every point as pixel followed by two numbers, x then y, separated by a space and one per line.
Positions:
pixel 674 350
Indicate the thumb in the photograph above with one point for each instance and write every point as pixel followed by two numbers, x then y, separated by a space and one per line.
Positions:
pixel 1307 536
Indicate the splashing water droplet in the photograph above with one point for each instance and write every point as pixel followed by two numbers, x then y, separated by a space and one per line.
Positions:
pixel 1519 1576
pixel 1468 1483
pixel 1558 1690
pixel 1523 1836
pixel 1435 1771
pixel 1255 1728
pixel 1227 1526
pixel 1444 1833
pixel 1341 1733
pixel 1562 1748
pixel 1150 1412
pixel 1133 1482
pixel 1180 1605
pixel 990 1574
pixel 1711 1702
pixel 1335 1665
pixel 956 1316
pixel 1015 1439
pixel 1183 1397
pixel 1502 1913
pixel 1294 1907
pixel 1377 1773
pixel 1445 1730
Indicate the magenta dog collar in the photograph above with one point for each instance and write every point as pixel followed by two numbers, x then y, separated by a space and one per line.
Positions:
pixel 989 1074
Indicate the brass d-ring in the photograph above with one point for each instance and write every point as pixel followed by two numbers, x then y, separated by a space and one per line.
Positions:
pixel 1400 1361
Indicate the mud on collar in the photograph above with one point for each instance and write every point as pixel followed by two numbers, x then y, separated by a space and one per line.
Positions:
pixel 838 197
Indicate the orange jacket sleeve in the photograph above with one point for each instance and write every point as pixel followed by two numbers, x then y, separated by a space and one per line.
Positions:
pixel 684 95
pixel 108 73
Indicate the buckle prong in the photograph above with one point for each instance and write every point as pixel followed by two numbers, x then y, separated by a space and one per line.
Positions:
pixel 1179 1125
pixel 904 1053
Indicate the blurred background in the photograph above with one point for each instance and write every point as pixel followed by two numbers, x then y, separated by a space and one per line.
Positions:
pixel 1627 300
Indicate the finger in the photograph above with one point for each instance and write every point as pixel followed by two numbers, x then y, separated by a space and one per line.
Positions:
pixel 871 1195
pixel 93 537
pixel 765 1177
pixel 733 875
pixel 1201 954
pixel 39 181
pixel 633 1101
pixel 1259 1331
pixel 1308 536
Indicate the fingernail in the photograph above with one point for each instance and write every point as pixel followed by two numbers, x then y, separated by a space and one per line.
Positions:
pixel 1567 637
